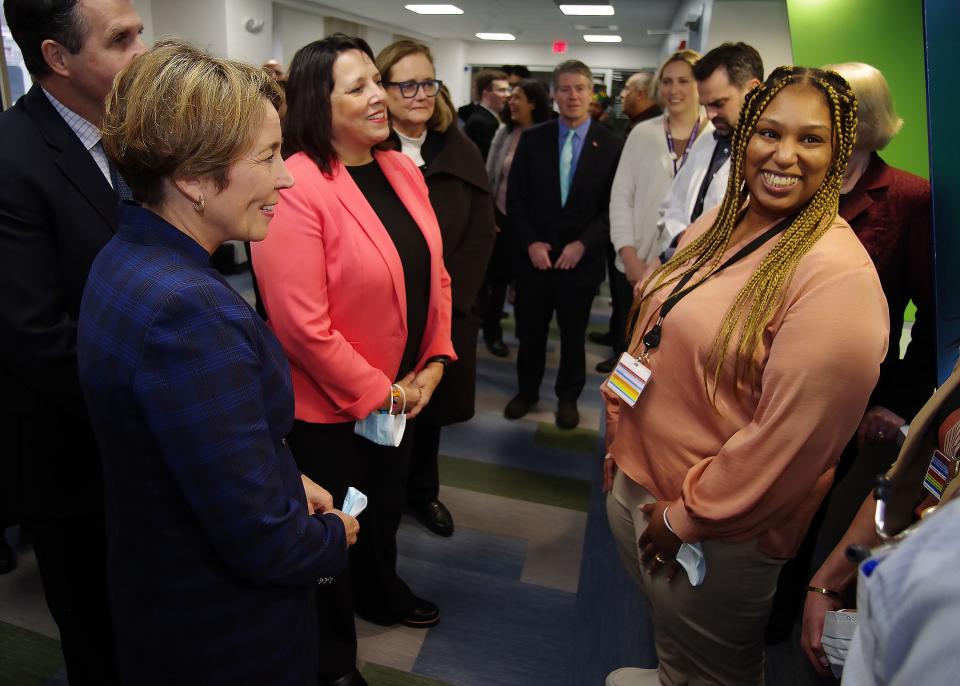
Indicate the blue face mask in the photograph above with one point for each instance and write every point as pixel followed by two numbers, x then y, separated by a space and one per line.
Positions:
pixel 382 428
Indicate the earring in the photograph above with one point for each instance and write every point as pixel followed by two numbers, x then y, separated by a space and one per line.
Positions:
pixel 200 204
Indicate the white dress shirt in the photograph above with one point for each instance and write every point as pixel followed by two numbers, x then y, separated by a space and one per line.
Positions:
pixel 909 607
pixel 676 209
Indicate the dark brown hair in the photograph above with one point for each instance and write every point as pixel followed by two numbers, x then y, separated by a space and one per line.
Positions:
pixel 308 126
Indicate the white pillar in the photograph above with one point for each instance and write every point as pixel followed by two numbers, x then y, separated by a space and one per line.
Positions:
pixel 452 68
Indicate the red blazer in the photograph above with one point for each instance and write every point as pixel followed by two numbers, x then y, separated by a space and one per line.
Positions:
pixel 332 283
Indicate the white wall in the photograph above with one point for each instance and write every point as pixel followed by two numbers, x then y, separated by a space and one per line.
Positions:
pixel 201 23
pixel 377 39
pixel 760 23
pixel 680 32
pixel 254 48
pixel 594 56
pixel 145 10
pixel 293 28
pixel 449 57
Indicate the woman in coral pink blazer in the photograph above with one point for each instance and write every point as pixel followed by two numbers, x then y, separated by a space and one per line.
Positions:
pixel 354 286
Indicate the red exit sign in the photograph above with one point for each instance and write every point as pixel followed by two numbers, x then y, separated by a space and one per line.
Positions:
pixel 559 47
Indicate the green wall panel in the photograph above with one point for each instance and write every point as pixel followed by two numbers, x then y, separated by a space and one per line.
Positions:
pixel 885 33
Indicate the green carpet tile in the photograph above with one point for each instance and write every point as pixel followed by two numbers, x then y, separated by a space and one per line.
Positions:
pixel 378 675
pixel 510 482
pixel 579 440
pixel 28 658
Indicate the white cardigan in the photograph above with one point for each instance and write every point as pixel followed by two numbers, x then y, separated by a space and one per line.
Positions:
pixel 641 184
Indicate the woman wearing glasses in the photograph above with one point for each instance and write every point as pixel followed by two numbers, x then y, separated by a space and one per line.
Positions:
pixel 423 121
pixel 354 286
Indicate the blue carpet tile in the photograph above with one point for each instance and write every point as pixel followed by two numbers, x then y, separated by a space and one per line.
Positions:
pixel 493 630
pixel 488 438
pixel 613 627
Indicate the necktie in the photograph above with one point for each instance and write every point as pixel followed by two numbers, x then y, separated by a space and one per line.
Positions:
pixel 119 185
pixel 566 165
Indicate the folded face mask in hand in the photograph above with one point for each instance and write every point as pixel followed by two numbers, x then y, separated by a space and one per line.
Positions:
pixel 690 557
pixel 354 502
pixel 838 628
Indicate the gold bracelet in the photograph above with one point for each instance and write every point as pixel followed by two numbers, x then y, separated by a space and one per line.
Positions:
pixel 825 591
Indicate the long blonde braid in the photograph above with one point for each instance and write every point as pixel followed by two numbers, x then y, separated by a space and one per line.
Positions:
pixel 758 300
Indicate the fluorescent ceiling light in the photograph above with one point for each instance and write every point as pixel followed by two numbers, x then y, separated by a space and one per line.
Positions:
pixel 602 39
pixel 496 36
pixel 434 9
pixel 588 10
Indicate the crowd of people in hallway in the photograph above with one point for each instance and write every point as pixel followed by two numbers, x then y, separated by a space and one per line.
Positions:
pixel 213 491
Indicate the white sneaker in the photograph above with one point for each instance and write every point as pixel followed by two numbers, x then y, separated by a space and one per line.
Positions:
pixel 633 676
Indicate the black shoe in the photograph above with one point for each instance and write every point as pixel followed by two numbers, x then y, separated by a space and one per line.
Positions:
pixel 567 416
pixel 600 338
pixel 354 678
pixel 498 348
pixel 607 365
pixel 518 406
pixel 423 615
pixel 8 558
pixel 435 516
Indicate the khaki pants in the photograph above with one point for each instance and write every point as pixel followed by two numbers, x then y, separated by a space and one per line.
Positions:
pixel 712 634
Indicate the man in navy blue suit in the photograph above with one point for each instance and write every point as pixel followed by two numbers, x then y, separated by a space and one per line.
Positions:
pixel 58 207
pixel 558 196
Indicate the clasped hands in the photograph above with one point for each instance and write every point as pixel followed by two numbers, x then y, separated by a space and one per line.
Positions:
pixel 418 388
pixel 879 425
pixel 658 545
pixel 570 257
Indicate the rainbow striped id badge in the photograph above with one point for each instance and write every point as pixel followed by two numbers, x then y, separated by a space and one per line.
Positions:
pixel 940 473
pixel 629 379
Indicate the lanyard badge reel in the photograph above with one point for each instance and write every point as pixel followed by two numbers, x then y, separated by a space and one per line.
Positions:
pixel 632 374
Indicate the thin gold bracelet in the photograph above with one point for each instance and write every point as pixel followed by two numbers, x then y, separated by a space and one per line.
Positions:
pixel 825 591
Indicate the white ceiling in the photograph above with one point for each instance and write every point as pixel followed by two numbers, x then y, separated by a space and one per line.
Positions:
pixel 531 21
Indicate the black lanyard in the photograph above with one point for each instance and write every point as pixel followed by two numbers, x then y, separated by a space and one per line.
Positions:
pixel 651 339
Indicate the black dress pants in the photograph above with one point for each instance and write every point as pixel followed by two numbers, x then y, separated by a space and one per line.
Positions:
pixel 495 283
pixel 378 592
pixel 71 554
pixel 539 295
pixel 336 458
pixel 423 485
pixel 622 295
pixel 327 454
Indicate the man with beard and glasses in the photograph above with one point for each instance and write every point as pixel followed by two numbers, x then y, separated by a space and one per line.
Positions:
pixel 724 77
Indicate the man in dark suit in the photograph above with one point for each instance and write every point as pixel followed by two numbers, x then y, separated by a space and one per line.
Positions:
pixel 557 199
pixel 492 89
pixel 58 207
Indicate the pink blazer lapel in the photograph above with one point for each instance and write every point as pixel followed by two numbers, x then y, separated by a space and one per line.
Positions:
pixel 353 202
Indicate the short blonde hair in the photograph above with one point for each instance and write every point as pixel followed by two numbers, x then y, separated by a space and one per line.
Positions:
pixel 877 120
pixel 176 111
pixel 689 56
pixel 443 112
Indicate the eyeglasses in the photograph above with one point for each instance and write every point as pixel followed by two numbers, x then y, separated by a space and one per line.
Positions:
pixel 408 89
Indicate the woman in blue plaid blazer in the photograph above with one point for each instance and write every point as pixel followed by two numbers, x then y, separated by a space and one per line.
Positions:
pixel 216 542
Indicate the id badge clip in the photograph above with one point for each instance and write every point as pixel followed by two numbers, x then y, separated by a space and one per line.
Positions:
pixel 629 378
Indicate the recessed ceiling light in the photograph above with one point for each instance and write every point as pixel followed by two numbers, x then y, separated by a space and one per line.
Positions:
pixel 602 39
pixel 588 10
pixel 434 9
pixel 496 36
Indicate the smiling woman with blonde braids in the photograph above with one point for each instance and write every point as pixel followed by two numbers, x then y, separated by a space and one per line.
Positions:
pixel 763 338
